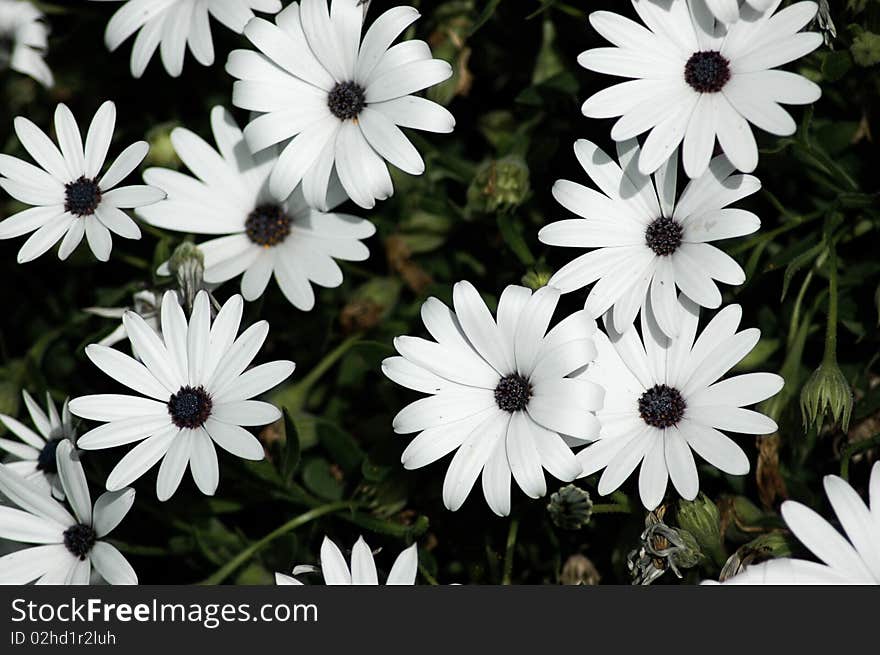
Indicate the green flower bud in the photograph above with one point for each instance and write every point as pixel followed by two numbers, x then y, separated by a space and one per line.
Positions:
pixel 701 518
pixel 500 185
pixel 162 151
pixel 570 508
pixel 827 391
pixel 537 278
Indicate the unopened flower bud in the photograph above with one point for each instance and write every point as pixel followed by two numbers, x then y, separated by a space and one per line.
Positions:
pixel 579 570
pixel 500 185
pixel 827 392
pixel 162 151
pixel 187 265
pixel 570 508
pixel 537 278
pixel 701 518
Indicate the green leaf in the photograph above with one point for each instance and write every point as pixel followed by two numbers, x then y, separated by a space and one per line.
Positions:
pixel 798 263
pixel 512 234
pixel 341 446
pixel 320 481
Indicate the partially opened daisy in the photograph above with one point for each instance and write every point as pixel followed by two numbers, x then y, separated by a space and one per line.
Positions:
pixel 172 25
pixel 24 38
pixel 71 199
pixel 335 569
pixel 36 450
pixel 500 395
pixel 69 544
pixel 145 304
pixel 848 559
pixel 728 11
pixel 262 235
pixel 340 100
pixel 665 398
pixel 647 240
pixel 197 395
pixel 694 82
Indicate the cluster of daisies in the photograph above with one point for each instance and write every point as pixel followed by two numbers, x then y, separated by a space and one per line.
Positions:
pixel 509 395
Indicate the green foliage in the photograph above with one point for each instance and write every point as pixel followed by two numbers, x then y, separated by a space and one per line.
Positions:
pixel 333 463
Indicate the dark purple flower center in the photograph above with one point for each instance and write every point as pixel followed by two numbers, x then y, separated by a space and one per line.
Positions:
pixel 190 407
pixel 268 225
pixel 346 100
pixel 79 539
pixel 513 393
pixel 662 406
pixel 82 196
pixel 707 71
pixel 663 236
pixel 46 459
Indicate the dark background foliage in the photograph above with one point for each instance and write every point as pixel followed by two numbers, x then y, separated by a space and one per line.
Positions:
pixel 474 215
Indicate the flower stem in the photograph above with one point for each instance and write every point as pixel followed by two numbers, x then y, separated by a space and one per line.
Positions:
pixel 294 396
pixel 611 508
pixel 227 569
pixel 509 551
pixel 830 357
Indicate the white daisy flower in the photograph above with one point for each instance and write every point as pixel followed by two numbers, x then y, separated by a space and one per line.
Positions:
pixel 845 560
pixel 728 11
pixel 171 25
pixel 663 399
pixel 335 569
pixel 70 545
pixel 647 240
pixel 198 394
pixel 36 452
pixel 693 81
pixel 70 199
pixel 24 38
pixel 339 100
pixel 262 235
pixel 499 396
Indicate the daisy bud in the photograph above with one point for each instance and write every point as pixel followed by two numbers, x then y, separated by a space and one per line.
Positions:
pixel 579 570
pixel 540 277
pixel 187 265
pixel 500 185
pixel 162 151
pixel 827 391
pixel 702 519
pixel 570 508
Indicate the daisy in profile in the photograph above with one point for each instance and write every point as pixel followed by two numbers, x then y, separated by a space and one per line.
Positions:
pixel 36 450
pixel 853 559
pixel 694 81
pixel 172 25
pixel 335 569
pixel 69 545
pixel 728 11
pixel 647 240
pixel 262 236
pixel 499 393
pixel 71 199
pixel 340 100
pixel 24 38
pixel 197 395
pixel 665 398
pixel 145 303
